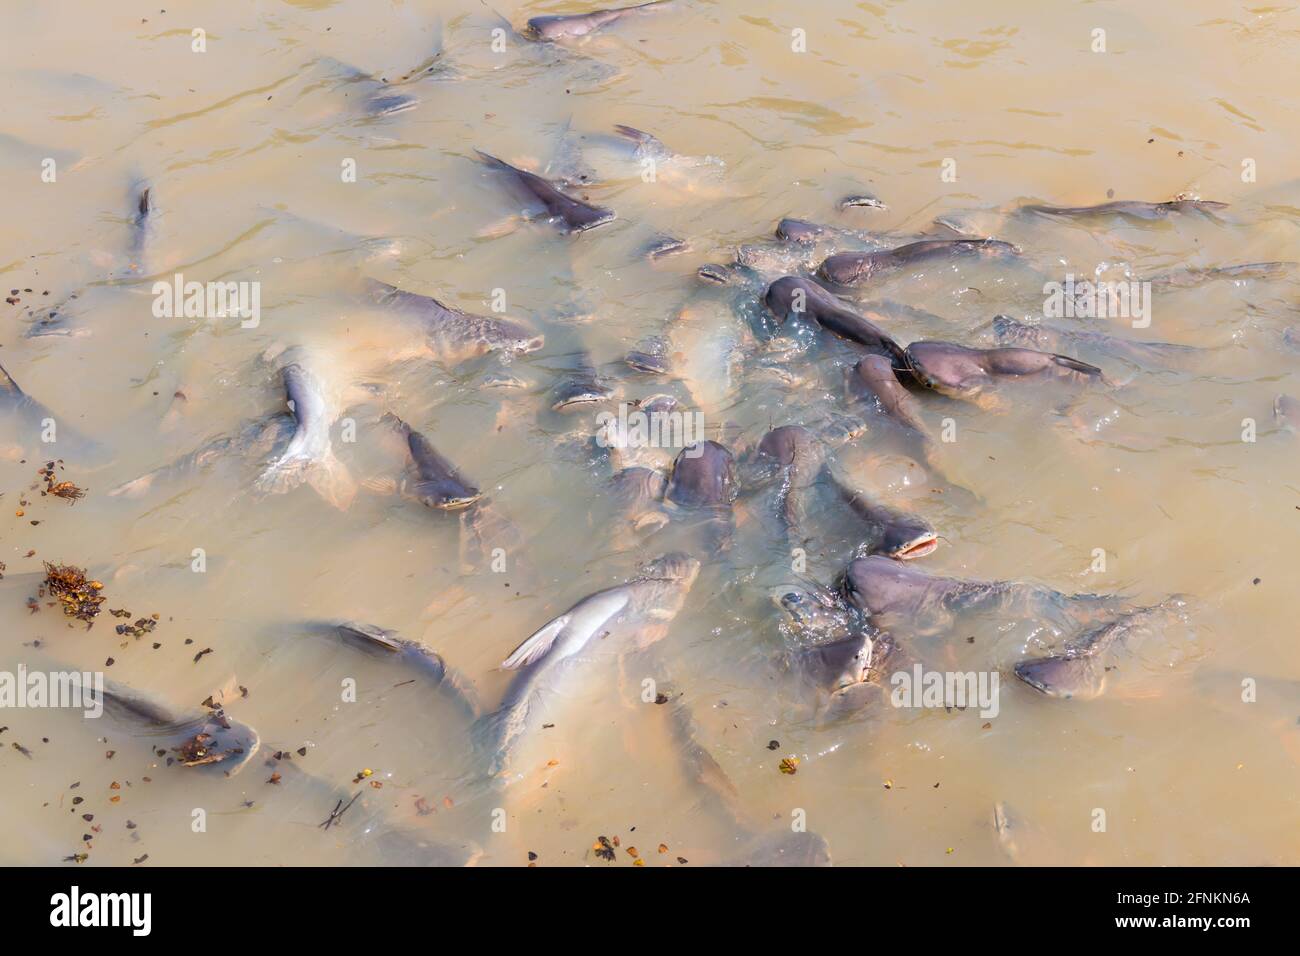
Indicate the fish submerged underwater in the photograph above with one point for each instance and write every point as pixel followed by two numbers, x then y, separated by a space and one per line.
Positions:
pixel 575 500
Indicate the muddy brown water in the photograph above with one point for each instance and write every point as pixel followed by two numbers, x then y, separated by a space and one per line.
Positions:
pixel 244 146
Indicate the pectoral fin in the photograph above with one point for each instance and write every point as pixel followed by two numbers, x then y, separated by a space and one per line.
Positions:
pixel 535 647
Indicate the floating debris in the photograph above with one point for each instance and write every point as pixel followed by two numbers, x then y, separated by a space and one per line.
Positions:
pixel 604 850
pixel 789 765
pixel 80 597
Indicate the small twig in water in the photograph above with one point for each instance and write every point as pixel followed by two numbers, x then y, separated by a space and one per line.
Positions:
pixel 337 812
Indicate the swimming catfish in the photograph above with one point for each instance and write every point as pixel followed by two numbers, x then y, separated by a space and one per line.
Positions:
pixel 309 456
pixel 626 617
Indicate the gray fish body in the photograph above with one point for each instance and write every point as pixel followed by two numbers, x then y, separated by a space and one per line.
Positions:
pixel 651 356
pixel 1131 209
pixel 704 475
pixel 229 745
pixel 1192 277
pixel 799 230
pixel 1046 338
pixel 574 215
pixel 437 482
pixel 959 371
pixel 255 439
pixel 704 482
pixel 851 268
pixel 638 611
pixel 144 217
pixel 890 532
pixel 873 379
pixel 638 494
pixel 880 586
pixel 420 659
pixel 581 386
pixel 1080 670
pixel 793 295
pixel 795 455
pixel 454 335
pixel 35 422
pixel 309 455
pixel 584 24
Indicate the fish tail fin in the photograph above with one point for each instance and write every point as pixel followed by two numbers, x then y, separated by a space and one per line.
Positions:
pixel 7 383
pixel 331 479
pixel 492 160
pixel 283 475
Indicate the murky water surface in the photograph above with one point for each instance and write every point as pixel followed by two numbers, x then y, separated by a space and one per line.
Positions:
pixel 1171 478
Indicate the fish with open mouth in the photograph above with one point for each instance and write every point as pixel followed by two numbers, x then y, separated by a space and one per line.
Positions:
pixel 794 295
pixel 580 387
pixel 434 482
pixel 840 661
pixel 852 268
pixel 309 456
pixel 450 335
pixel 569 214
pixel 628 616
pixel 1082 669
pixel 958 371
pixel 570 26
pixel 1128 208
pixel 890 532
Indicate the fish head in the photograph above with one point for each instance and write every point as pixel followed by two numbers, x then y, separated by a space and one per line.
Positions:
pixel 837 666
pixel 877 584
pixel 792 295
pixel 847 268
pixel 811 615
pixel 947 368
pixel 557 27
pixel 905 537
pixel 799 230
pixel 704 474
pixel 575 394
pixel 444 495
pixel 1065 676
